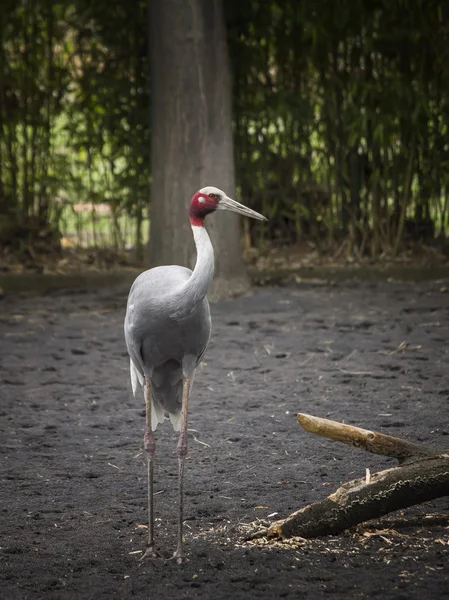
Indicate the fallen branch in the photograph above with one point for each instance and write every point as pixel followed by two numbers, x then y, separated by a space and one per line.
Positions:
pixel 371 441
pixel 422 476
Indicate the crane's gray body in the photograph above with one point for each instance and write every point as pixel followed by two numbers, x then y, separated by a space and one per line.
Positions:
pixel 167 330
pixel 164 341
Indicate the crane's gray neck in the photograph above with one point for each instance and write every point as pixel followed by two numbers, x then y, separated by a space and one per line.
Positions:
pixel 197 286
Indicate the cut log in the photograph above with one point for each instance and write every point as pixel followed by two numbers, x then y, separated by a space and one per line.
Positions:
pixel 422 476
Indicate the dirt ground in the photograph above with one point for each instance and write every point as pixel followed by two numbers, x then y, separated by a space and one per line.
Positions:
pixel 73 475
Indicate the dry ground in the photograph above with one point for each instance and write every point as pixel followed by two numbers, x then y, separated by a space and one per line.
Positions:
pixel 72 495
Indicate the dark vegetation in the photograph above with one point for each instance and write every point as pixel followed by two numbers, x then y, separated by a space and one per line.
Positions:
pixel 341 111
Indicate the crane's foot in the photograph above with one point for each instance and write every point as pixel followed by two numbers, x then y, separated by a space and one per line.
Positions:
pixel 179 556
pixel 150 552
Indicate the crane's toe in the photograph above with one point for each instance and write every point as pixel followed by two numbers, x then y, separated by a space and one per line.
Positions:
pixel 179 557
pixel 150 552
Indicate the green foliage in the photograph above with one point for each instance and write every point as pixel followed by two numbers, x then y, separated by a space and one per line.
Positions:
pixel 341 113
pixel 74 110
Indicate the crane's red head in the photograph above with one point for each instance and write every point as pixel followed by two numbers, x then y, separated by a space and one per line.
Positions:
pixel 210 199
pixel 204 202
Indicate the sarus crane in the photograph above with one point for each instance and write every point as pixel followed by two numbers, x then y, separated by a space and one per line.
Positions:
pixel 167 330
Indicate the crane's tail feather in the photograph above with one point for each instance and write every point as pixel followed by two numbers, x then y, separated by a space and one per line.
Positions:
pixel 166 392
pixel 175 419
pixel 157 414
pixel 136 377
pixel 157 411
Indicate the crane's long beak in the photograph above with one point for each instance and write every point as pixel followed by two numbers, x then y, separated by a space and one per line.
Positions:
pixel 229 204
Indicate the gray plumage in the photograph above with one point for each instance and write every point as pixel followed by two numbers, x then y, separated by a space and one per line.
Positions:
pixel 167 330
pixel 158 337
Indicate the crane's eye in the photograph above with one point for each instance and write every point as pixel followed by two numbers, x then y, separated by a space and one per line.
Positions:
pixel 213 196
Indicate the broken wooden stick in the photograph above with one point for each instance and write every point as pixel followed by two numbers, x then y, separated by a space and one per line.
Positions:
pixel 422 476
pixel 371 441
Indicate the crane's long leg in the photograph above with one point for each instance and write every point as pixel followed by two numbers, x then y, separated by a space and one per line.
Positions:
pixel 179 555
pixel 150 447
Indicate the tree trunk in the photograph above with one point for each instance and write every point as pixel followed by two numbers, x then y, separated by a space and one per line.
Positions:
pixel 192 136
